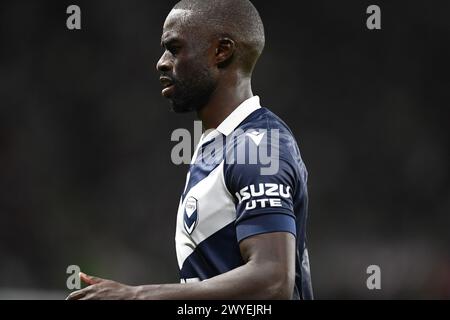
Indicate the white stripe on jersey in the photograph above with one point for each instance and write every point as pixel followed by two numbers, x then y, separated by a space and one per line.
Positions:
pixel 216 210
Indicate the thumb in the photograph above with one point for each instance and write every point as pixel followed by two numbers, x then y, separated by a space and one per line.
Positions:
pixel 90 280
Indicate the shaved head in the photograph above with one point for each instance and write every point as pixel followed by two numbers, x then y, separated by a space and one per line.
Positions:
pixel 237 19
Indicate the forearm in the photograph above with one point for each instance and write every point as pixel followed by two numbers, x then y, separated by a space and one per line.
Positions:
pixel 269 273
pixel 245 282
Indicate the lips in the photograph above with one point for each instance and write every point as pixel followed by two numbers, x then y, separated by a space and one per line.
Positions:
pixel 167 85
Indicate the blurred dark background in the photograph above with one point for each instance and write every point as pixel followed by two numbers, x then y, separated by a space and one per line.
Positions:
pixel 85 171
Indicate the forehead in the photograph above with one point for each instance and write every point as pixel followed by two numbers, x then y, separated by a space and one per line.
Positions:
pixel 177 22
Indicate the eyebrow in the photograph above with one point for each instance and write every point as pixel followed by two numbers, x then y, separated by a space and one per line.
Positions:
pixel 169 41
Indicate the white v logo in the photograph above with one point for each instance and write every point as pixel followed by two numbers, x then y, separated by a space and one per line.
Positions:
pixel 256 136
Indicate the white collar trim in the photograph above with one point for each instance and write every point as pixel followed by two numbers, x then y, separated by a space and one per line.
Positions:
pixel 238 115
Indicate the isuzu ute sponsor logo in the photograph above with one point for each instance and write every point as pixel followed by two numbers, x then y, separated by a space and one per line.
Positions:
pixel 271 193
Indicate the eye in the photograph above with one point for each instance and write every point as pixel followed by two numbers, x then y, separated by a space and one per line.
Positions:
pixel 173 49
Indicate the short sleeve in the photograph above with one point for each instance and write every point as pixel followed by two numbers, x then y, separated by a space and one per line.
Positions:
pixel 264 202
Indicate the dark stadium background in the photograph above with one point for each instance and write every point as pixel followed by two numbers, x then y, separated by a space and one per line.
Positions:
pixel 85 170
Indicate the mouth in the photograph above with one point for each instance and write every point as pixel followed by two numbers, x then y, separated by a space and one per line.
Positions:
pixel 167 85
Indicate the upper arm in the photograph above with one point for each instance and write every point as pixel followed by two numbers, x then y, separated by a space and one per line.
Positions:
pixel 264 203
pixel 272 255
pixel 265 220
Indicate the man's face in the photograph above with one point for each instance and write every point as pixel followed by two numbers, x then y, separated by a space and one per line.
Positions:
pixel 187 74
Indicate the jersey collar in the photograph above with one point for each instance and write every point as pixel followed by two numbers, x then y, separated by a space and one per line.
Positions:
pixel 239 114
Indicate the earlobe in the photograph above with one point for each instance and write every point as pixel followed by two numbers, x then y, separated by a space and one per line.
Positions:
pixel 225 51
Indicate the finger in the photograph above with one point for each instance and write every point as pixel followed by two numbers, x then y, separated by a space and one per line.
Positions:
pixel 76 295
pixel 90 297
pixel 90 279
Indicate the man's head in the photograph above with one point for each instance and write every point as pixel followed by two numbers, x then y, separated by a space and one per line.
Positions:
pixel 205 40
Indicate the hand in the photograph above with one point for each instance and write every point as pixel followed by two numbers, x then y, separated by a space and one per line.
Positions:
pixel 102 289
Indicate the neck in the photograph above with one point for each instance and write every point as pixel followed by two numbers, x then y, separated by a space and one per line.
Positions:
pixel 224 100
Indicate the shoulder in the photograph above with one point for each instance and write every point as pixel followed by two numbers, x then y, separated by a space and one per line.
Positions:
pixel 268 132
pixel 262 146
pixel 263 118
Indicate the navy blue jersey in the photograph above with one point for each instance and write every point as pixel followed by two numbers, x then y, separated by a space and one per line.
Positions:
pixel 246 178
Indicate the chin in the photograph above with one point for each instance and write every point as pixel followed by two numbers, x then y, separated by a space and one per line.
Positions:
pixel 180 108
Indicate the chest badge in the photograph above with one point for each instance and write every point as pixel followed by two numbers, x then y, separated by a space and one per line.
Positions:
pixel 190 215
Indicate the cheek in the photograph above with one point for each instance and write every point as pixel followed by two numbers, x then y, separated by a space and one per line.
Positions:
pixel 197 60
pixel 189 70
pixel 182 68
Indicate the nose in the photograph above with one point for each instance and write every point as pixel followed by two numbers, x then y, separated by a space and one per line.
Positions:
pixel 164 64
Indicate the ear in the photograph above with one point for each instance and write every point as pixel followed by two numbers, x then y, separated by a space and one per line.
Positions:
pixel 224 51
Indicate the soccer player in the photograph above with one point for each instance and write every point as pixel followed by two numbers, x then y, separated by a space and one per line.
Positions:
pixel 242 216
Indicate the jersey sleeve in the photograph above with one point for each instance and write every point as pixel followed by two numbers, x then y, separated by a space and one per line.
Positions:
pixel 264 202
